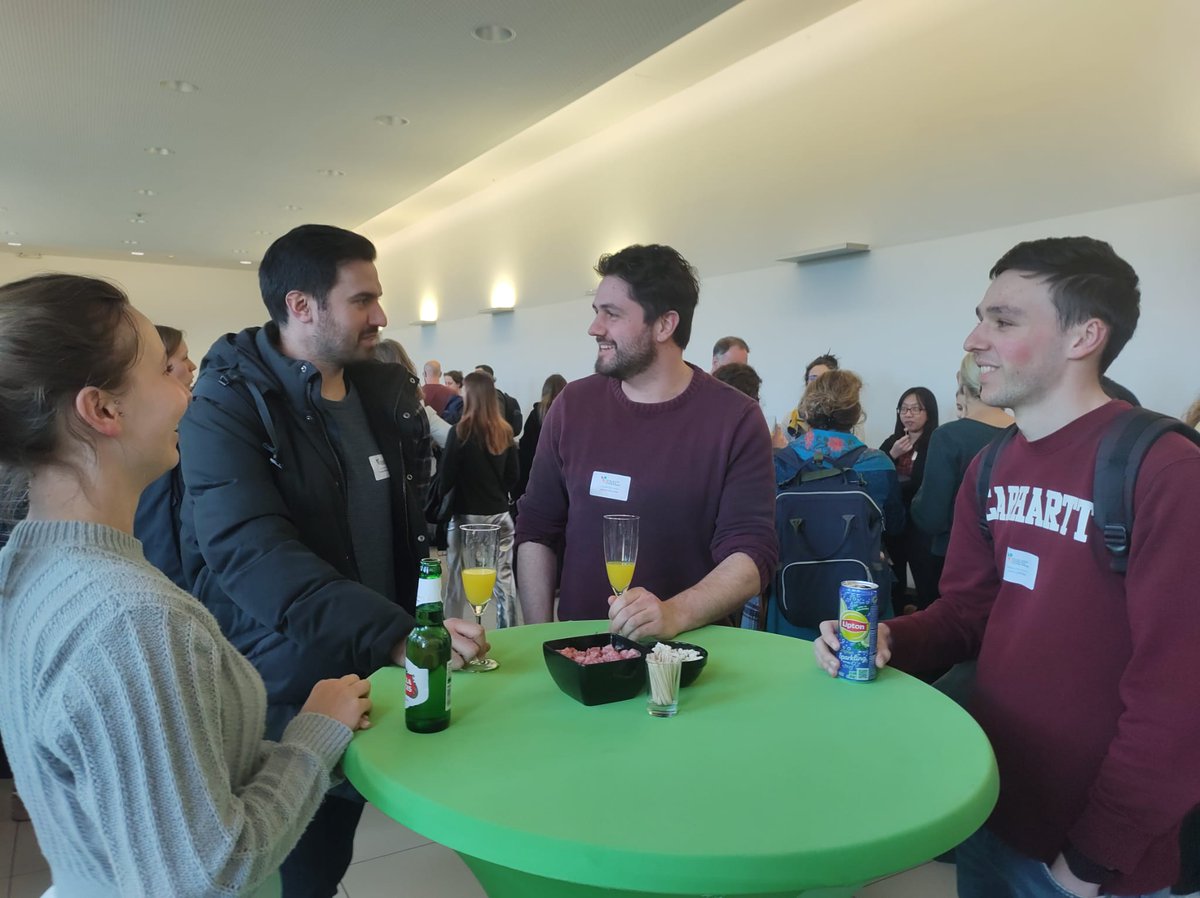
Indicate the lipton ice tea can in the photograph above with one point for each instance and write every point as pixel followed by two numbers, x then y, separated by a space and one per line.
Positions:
pixel 858 622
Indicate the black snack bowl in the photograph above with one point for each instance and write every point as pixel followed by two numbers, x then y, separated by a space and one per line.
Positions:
pixel 596 684
pixel 689 670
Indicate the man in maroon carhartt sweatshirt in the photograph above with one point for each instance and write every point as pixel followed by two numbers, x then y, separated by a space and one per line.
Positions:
pixel 653 436
pixel 1086 678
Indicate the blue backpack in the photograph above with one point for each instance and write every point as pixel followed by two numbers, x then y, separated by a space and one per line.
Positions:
pixel 829 530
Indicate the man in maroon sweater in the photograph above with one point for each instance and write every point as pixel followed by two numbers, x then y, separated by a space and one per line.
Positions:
pixel 1086 680
pixel 649 435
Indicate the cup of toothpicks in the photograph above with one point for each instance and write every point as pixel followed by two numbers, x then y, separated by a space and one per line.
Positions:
pixel 663 665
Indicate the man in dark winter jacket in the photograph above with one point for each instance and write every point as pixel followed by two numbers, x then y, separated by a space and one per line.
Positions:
pixel 300 531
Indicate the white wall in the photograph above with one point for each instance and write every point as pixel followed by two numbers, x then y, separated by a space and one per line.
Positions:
pixel 897 316
pixel 202 302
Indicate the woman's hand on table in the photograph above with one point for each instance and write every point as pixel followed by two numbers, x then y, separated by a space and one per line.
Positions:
pixel 467 641
pixel 639 614
pixel 344 699
pixel 825 647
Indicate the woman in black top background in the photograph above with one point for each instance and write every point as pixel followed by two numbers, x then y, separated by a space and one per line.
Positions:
pixel 533 429
pixel 916 419
pixel 480 464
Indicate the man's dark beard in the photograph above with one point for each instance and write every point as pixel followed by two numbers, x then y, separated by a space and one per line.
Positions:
pixel 629 362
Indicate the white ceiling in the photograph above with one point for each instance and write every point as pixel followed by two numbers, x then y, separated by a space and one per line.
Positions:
pixel 287 88
pixel 741 133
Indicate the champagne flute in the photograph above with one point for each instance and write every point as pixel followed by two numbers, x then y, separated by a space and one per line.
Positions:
pixel 478 544
pixel 620 549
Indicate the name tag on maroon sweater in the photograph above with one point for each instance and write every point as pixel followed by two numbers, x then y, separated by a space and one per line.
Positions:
pixel 610 486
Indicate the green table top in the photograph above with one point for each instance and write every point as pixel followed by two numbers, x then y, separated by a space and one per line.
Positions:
pixel 773 776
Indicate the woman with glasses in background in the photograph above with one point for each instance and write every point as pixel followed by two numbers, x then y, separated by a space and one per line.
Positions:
pixel 916 419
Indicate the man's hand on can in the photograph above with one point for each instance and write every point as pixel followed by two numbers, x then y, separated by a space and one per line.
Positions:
pixel 826 646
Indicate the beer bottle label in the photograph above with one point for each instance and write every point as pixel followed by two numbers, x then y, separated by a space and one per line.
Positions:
pixel 416 685
pixel 429 591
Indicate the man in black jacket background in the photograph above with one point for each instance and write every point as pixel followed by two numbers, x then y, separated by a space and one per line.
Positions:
pixel 300 531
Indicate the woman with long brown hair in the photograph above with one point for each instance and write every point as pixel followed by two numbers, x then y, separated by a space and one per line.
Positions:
pixel 480 464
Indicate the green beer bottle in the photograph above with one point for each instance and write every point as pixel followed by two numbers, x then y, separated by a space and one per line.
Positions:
pixel 427 657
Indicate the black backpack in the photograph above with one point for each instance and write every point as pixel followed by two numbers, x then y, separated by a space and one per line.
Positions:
pixel 1118 460
pixel 829 530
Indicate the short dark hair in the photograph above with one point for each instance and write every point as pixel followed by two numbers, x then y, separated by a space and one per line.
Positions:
pixel 725 344
pixel 307 259
pixel 829 360
pixel 740 377
pixel 456 376
pixel 488 368
pixel 1087 279
pixel 660 280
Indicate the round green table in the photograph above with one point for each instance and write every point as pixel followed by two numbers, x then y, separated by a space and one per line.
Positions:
pixel 773 780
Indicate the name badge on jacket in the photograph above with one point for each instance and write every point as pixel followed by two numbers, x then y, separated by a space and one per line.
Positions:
pixel 379 467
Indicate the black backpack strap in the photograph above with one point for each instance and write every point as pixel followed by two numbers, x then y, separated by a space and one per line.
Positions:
pixel 264 414
pixel 1118 460
pixel 983 483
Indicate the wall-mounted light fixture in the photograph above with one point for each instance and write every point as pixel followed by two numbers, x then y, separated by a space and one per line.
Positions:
pixel 827 252
pixel 504 299
pixel 428 313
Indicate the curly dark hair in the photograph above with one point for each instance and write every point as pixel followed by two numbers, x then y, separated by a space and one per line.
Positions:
pixel 660 280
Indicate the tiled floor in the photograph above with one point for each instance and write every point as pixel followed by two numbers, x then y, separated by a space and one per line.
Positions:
pixel 385 855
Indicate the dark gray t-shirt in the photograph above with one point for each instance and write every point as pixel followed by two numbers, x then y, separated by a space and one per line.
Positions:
pixel 370 501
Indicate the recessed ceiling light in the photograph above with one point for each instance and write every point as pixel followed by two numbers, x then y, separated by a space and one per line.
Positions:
pixel 10 243
pixel 160 151
pixel 183 87
pixel 130 242
pixel 330 172
pixel 137 218
pixel 145 191
pixel 290 208
pixel 245 262
pixel 390 120
pixel 494 34
pixel 136 253
pixel 241 252
pixel 261 233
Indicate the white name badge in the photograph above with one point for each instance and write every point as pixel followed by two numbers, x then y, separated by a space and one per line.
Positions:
pixel 379 467
pixel 610 486
pixel 1020 568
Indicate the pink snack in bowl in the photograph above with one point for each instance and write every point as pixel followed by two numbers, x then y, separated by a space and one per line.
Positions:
pixel 598 654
